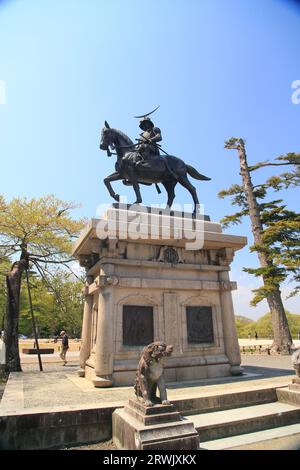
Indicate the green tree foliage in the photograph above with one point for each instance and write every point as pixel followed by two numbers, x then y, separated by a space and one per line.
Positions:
pixel 264 328
pixel 275 232
pixel 281 226
pixel 57 307
pixel 42 228
pixel 242 325
pixel 36 234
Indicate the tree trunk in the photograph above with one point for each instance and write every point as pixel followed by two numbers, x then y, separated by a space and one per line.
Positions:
pixel 282 336
pixel 11 324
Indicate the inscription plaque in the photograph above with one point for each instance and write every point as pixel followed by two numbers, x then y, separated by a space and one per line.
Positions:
pixel 199 324
pixel 137 325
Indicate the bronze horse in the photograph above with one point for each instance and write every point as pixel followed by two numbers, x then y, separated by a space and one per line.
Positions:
pixel 168 170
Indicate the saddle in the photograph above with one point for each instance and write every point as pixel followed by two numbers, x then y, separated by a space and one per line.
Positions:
pixel 153 162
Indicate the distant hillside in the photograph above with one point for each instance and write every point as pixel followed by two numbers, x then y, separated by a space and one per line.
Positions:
pixel 240 318
pixel 263 326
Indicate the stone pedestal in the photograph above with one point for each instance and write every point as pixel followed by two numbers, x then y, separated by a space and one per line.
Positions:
pixel 137 427
pixel 157 277
pixel 290 394
pixel 295 387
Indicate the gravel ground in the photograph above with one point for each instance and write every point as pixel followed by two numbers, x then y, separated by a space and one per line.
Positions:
pixel 272 362
pixel 269 366
pixel 106 445
pixel 50 366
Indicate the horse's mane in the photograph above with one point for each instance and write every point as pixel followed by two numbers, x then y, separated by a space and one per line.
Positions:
pixel 125 137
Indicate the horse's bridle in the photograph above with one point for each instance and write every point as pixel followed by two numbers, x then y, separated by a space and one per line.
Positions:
pixel 114 147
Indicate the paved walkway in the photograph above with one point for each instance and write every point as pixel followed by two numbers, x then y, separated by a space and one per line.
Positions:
pixel 52 362
pixel 60 387
pixel 263 342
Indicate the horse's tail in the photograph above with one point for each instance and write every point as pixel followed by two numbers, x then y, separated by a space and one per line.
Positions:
pixel 194 173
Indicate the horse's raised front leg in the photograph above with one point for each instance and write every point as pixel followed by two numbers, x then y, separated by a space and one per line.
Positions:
pixel 113 177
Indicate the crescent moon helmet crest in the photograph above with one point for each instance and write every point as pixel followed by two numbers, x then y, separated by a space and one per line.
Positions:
pixel 148 114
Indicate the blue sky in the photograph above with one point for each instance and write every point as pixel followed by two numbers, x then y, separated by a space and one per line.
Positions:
pixel 217 68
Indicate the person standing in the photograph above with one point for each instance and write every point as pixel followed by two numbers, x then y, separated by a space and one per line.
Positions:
pixel 64 346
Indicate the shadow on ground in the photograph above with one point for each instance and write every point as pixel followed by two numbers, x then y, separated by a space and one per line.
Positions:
pixel 267 371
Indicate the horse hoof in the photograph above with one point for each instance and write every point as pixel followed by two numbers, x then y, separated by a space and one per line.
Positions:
pixel 148 403
pixel 166 402
pixel 137 202
pixel 116 197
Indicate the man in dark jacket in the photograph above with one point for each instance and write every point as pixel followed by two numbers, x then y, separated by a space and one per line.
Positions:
pixel 64 346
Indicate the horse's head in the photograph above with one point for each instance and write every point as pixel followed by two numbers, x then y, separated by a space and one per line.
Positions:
pixel 115 139
pixel 106 138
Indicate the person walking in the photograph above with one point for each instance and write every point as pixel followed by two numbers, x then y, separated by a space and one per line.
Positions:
pixel 64 346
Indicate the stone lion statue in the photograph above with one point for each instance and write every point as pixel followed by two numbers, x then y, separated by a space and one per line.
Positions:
pixel 296 364
pixel 149 373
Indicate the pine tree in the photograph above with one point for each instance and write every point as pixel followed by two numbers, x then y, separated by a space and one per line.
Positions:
pixel 275 231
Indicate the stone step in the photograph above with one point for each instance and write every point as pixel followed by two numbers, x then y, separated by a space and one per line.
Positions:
pixel 225 399
pixel 237 421
pixel 281 438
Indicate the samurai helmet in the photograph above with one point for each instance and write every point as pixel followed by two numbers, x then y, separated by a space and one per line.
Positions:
pixel 146 120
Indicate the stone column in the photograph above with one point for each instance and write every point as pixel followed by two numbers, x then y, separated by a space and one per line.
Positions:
pixel 171 320
pixel 104 342
pixel 85 349
pixel 232 349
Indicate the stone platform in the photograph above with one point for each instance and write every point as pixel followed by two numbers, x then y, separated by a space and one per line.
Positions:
pixel 157 277
pixel 57 409
pixel 137 427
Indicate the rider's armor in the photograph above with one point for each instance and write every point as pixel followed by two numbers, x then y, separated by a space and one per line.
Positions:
pixel 148 138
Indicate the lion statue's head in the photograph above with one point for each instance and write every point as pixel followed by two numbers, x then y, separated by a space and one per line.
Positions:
pixel 149 374
pixel 156 351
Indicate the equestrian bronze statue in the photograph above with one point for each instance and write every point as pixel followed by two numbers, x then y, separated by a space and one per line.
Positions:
pixel 142 163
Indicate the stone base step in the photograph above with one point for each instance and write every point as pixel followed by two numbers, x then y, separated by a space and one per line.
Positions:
pixel 131 434
pixel 237 421
pixel 281 438
pixel 225 400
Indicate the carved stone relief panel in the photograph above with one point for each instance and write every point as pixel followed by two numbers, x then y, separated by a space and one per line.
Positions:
pixel 199 324
pixel 138 328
